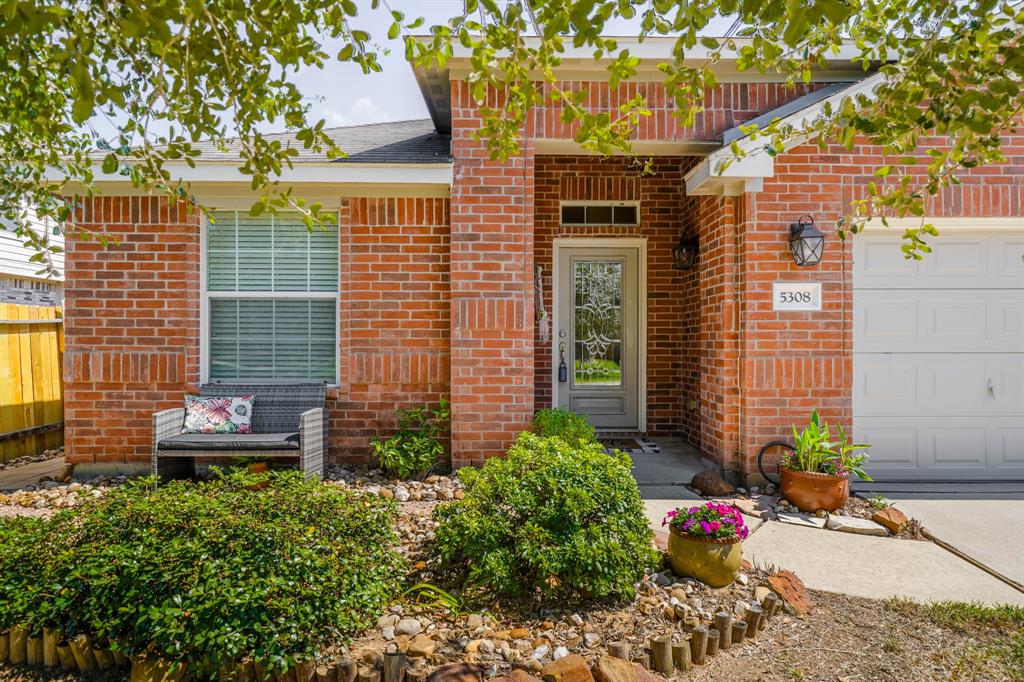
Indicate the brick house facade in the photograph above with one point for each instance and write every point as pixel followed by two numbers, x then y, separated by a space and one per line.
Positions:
pixel 444 281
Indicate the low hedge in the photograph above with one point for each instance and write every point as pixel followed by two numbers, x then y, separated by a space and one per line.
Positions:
pixel 207 573
pixel 549 519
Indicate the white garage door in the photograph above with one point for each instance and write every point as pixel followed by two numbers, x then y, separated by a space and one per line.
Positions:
pixel 939 356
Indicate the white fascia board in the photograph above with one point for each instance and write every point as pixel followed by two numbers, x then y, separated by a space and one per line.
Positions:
pixel 758 163
pixel 303 173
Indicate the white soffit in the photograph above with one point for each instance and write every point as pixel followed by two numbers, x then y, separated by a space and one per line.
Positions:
pixel 708 177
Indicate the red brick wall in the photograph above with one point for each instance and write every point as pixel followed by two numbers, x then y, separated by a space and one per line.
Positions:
pixel 670 293
pixel 131 325
pixel 132 321
pixel 725 106
pixel 394 313
pixel 491 291
pixel 796 361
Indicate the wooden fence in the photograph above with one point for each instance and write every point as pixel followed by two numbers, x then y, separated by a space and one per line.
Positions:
pixel 31 386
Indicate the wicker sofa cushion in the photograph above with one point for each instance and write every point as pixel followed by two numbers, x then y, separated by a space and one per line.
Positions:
pixel 276 407
pixel 231 441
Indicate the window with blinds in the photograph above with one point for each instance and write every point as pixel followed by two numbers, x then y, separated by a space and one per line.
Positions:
pixel 272 288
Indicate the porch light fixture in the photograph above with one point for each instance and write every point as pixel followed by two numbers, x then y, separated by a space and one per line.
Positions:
pixel 684 254
pixel 806 241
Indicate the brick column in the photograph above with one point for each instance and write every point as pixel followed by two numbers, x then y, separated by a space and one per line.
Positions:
pixel 131 325
pixel 491 291
pixel 719 350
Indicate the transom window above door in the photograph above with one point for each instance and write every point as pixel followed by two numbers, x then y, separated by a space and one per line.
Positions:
pixel 600 213
pixel 271 298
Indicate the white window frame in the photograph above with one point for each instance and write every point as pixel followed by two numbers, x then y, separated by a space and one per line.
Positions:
pixel 563 203
pixel 205 296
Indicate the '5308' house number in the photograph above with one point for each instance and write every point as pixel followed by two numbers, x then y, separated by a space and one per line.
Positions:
pixel 796 295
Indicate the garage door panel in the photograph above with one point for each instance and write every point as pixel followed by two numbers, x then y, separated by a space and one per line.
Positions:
pixel 882 384
pixel 1007 392
pixel 1008 256
pixel 886 322
pixel 938 321
pixel 893 445
pixel 923 384
pixel 954 444
pixel 957 261
pixel 943 447
pixel 1006 446
pixel 957 258
pixel 1008 317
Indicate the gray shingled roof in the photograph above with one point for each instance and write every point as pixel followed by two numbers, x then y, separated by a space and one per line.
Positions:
pixel 396 142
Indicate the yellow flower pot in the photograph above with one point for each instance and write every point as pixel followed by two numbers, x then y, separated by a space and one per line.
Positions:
pixel 713 562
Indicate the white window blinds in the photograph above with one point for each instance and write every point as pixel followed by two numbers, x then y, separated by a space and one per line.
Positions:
pixel 272 288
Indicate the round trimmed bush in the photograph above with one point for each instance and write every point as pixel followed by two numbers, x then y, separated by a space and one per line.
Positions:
pixel 207 573
pixel 549 519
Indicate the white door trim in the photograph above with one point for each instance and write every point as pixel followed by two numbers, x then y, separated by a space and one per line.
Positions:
pixel 638 243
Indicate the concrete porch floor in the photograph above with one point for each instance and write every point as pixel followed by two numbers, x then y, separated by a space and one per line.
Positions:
pixel 663 474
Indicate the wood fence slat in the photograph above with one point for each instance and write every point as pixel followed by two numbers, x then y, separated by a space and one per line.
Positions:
pixel 7 374
pixel 31 378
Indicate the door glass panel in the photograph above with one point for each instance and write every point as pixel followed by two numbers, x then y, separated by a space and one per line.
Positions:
pixel 597 313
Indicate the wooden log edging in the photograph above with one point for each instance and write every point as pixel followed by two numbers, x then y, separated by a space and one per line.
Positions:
pixel 18 646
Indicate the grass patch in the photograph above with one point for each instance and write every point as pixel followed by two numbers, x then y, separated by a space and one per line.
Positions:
pixel 964 615
pixel 1004 623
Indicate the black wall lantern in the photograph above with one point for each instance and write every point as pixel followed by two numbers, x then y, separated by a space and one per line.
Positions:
pixel 806 241
pixel 684 254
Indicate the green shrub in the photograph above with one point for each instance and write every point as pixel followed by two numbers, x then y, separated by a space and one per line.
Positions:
pixel 207 573
pixel 548 519
pixel 417 445
pixel 569 426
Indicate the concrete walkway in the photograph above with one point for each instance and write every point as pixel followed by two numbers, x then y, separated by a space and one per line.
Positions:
pixel 874 567
pixel 29 474
pixel 990 531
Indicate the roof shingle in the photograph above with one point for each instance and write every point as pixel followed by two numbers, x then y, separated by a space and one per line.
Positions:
pixel 408 142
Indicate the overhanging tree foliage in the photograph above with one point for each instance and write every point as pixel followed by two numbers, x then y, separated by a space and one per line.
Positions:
pixel 171 72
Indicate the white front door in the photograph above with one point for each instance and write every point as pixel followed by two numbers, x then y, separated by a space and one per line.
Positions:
pixel 938 356
pixel 596 341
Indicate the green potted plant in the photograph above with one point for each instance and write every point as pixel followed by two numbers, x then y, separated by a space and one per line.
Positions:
pixel 706 542
pixel 816 474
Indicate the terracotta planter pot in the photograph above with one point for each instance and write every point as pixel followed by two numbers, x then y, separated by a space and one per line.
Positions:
pixel 812 492
pixel 713 562
pixel 257 468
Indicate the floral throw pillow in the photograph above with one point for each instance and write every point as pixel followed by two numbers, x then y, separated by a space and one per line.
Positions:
pixel 207 414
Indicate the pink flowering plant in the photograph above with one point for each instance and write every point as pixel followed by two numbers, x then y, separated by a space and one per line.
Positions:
pixel 712 521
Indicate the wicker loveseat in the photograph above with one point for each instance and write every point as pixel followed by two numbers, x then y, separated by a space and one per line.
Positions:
pixel 288 421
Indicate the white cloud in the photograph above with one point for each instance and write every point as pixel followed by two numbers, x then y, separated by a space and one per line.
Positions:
pixel 363 110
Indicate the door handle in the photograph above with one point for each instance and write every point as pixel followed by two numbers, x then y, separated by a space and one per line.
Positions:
pixel 991 388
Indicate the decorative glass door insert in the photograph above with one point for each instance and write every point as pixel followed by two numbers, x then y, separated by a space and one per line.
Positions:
pixel 597 317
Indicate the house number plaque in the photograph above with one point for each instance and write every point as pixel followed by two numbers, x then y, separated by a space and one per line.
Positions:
pixel 796 295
